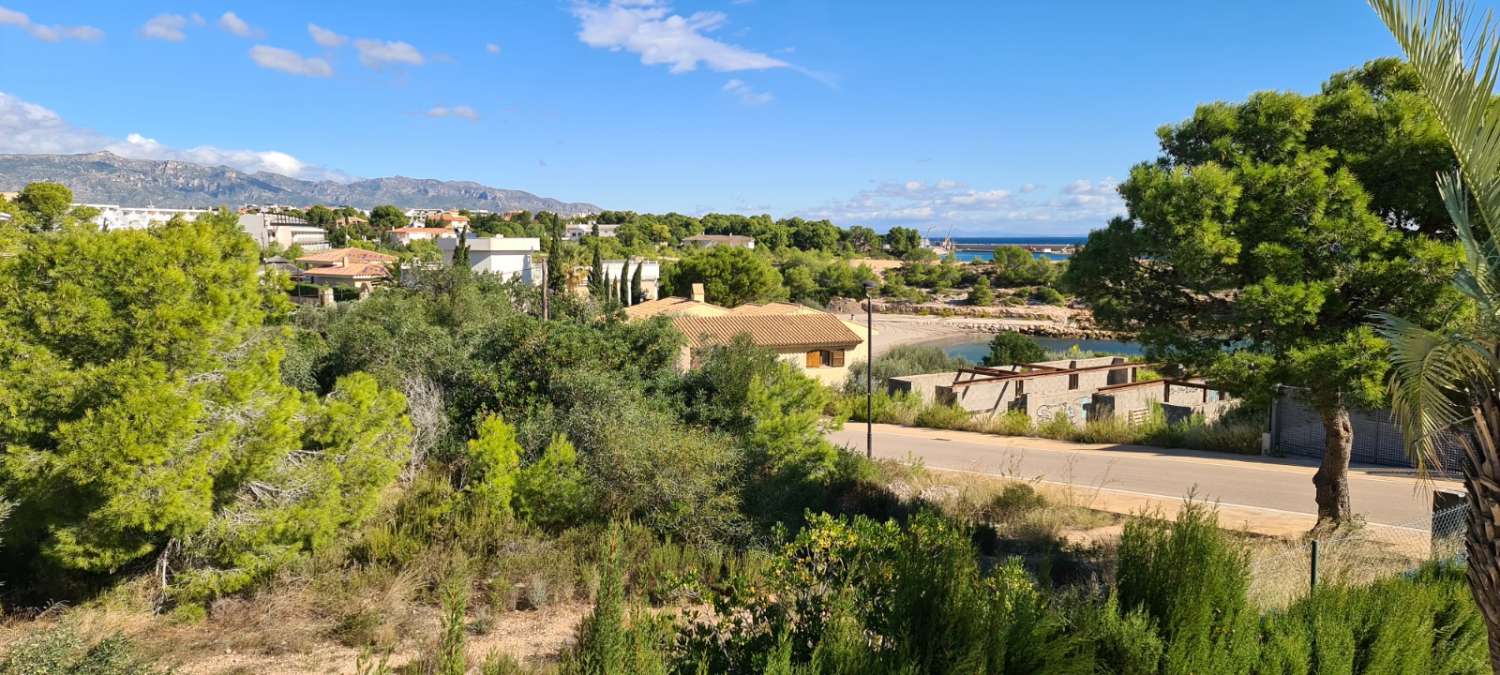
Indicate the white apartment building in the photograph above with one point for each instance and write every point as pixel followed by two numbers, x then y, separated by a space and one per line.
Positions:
pixel 509 257
pixel 116 217
pixel 286 231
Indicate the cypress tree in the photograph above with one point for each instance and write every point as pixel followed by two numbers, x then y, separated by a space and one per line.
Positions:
pixel 624 284
pixel 557 274
pixel 635 284
pixel 597 283
pixel 461 250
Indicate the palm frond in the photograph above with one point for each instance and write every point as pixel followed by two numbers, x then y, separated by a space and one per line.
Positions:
pixel 1432 380
pixel 1433 36
pixel 1479 277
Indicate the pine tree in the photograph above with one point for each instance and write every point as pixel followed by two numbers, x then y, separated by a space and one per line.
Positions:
pixel 635 284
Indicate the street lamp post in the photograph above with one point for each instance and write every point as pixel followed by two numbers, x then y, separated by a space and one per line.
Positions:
pixel 869 372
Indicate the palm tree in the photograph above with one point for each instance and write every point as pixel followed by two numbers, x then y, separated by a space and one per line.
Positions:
pixel 1449 377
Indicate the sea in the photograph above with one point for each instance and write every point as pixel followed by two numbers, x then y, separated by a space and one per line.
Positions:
pixel 968 256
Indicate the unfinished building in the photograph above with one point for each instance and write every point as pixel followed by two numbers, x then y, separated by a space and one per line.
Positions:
pixel 1083 390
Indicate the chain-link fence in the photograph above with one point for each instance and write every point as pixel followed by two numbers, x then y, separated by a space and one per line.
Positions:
pixel 1298 430
pixel 1282 571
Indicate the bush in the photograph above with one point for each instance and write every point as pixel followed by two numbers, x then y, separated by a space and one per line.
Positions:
pixel 938 416
pixel 1191 579
pixel 1013 348
pixel 552 491
pixel 1047 296
pixel 1422 624
pixel 1013 500
pixel 981 295
pixel 903 360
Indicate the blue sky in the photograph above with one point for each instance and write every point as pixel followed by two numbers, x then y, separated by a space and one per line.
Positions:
pixel 970 117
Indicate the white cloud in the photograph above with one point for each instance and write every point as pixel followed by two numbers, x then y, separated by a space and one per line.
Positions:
pixel 198 19
pixel 459 111
pixel 376 53
pixel 288 61
pixel 325 37
pixel 48 33
pixel 28 128
pixel 235 25
pixel 747 94
pixel 492 48
pixel 648 28
pixel 953 204
pixel 169 27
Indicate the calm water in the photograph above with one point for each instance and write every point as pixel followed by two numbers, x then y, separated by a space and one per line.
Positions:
pixel 968 256
pixel 979 348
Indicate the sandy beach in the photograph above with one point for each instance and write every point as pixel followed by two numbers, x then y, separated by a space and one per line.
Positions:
pixel 892 330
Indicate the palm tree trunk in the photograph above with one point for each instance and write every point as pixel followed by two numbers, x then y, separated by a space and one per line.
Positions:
pixel 1332 478
pixel 1482 480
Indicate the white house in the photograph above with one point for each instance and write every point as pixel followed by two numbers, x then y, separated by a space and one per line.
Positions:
pixel 284 230
pixel 711 240
pixel 509 257
pixel 116 217
pixel 650 274
pixel 406 235
pixel 577 231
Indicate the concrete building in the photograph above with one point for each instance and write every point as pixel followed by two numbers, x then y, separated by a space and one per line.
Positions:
pixel 711 240
pixel 509 257
pixel 116 217
pixel 1079 389
pixel 283 230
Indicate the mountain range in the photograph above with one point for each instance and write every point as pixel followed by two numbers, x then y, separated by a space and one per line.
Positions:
pixel 106 178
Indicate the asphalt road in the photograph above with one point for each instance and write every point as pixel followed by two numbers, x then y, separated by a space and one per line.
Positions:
pixel 1380 494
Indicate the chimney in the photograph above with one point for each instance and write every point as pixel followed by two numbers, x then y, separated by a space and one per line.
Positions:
pixel 344 261
pixel 698 293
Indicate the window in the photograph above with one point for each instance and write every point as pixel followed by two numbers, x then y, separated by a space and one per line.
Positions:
pixel 1072 381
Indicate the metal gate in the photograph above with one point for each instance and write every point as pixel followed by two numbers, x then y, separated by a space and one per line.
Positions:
pixel 1298 430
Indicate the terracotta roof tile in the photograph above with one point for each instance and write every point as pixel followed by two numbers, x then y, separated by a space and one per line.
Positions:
pixel 777 331
pixel 354 255
pixel 351 270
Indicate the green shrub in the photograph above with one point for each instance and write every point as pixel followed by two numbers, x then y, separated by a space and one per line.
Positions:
pixel 1121 642
pixel 552 491
pixel 1013 348
pixel 1060 427
pixel 903 360
pixel 1425 623
pixel 938 416
pixel 1191 579
pixel 1047 295
pixel 1015 499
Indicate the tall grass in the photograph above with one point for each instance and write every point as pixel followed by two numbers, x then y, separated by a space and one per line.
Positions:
pixel 1237 432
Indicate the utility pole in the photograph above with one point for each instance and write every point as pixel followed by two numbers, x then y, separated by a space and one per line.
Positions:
pixel 869 372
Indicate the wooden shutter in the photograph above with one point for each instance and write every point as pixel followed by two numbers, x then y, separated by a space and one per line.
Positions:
pixel 838 358
pixel 814 359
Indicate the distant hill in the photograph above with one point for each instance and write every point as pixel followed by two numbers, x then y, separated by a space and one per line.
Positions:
pixel 106 178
